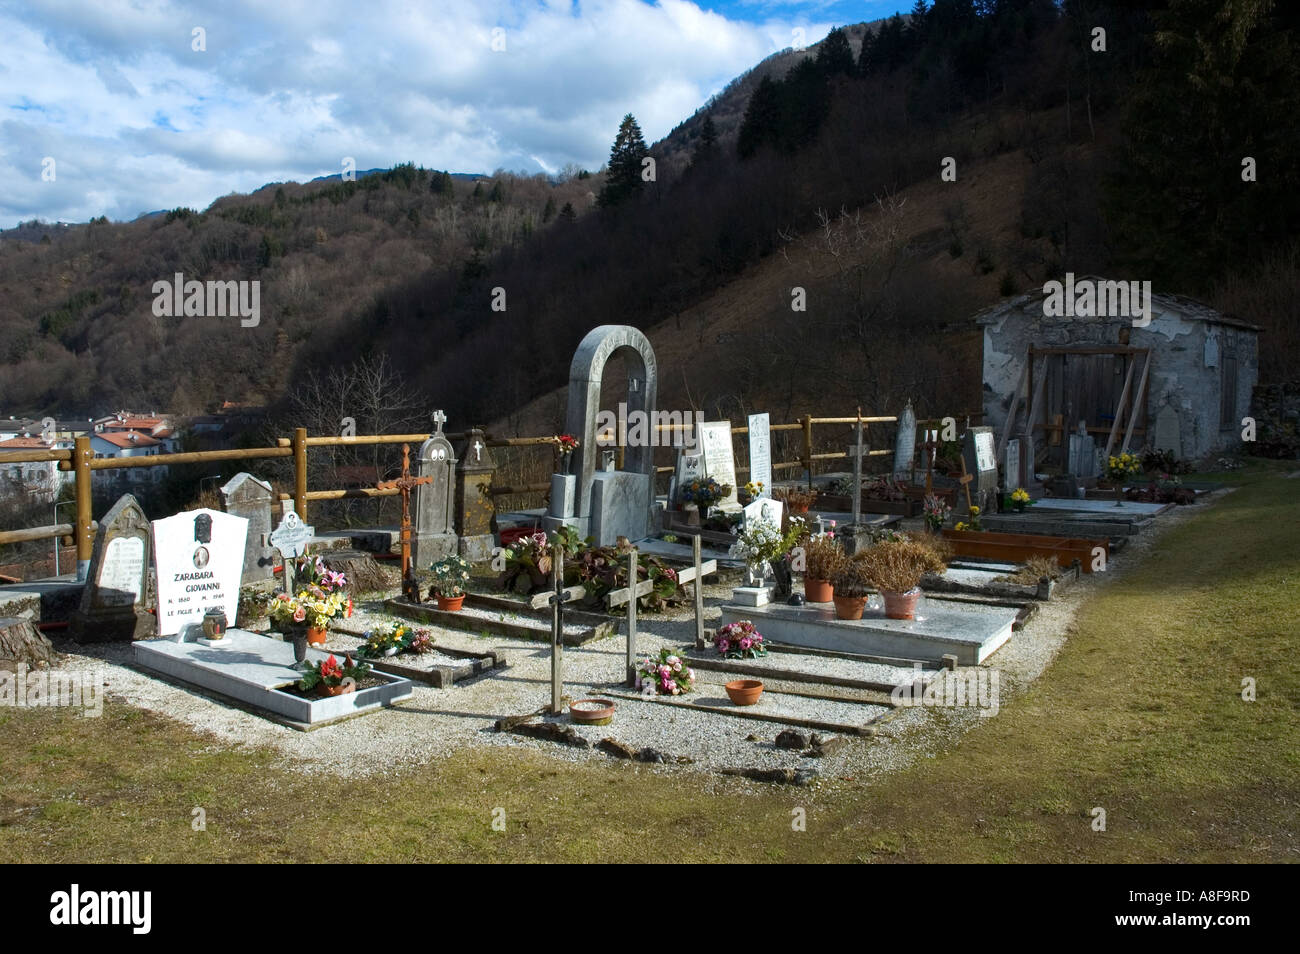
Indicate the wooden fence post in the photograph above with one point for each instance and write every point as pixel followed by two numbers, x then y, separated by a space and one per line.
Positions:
pixel 85 538
pixel 807 447
pixel 300 471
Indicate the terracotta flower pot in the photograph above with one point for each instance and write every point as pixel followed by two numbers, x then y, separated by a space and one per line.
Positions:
pixel 818 591
pixel 316 635
pixel 799 509
pixel 744 692
pixel 901 605
pixel 342 689
pixel 592 711
pixel 849 607
pixel 451 604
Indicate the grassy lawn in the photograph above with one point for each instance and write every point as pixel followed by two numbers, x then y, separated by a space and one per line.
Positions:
pixel 1141 715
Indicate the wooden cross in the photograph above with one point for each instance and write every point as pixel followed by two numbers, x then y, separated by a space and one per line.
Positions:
pixel 406 483
pixel 930 446
pixel 965 480
pixel 556 599
pixel 639 588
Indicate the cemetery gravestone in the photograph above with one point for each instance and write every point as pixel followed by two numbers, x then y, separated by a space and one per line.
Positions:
pixel 980 456
pixel 690 467
pixel 719 462
pixel 291 538
pixel 760 452
pixel 113 602
pixel 435 502
pixel 246 496
pixel 1082 460
pixel 586 373
pixel 764 510
pixel 905 443
pixel 474 506
pixel 1011 473
pixel 199 559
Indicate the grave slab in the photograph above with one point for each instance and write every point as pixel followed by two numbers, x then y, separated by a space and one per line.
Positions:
pixel 1105 508
pixel 970 632
pixel 254 669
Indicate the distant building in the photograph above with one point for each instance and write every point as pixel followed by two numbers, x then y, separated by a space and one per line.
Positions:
pixel 1188 373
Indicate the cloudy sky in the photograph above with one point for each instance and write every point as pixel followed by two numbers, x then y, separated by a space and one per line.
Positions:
pixel 116 108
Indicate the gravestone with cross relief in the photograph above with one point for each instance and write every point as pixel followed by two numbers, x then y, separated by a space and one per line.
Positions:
pixel 291 538
pixel 246 496
pixel 474 508
pixel 434 536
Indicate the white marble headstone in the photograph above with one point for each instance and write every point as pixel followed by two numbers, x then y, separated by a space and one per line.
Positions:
pixel 719 460
pixel 760 452
pixel 198 558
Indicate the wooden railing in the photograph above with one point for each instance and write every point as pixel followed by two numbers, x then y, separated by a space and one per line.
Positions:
pixel 82 462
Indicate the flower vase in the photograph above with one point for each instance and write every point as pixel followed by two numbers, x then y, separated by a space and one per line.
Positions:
pixel 1119 493
pixel 566 461
pixel 784 583
pixel 692 515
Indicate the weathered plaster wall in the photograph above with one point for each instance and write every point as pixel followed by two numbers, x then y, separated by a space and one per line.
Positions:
pixel 1179 376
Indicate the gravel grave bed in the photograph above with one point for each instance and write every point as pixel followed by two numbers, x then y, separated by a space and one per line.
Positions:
pixel 435 723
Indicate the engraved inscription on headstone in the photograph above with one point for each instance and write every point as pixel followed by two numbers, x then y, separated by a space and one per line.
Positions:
pixel 434 536
pixel 199 558
pixel 905 443
pixel 246 496
pixel 760 452
pixel 980 454
pixel 1011 465
pixel 113 602
pixel 719 462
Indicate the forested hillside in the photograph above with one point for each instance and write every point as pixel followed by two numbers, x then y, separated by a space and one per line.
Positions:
pixel 1091 137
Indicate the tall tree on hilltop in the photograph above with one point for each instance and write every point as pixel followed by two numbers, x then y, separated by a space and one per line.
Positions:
pixel 623 177
pixel 835 56
pixel 762 118
pixel 707 145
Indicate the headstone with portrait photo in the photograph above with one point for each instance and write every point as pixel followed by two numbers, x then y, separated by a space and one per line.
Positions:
pixel 198 558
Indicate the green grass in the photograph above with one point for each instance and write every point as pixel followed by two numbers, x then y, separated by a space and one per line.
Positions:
pixel 1141 714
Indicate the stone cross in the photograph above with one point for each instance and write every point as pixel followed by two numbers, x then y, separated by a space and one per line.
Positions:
pixel 291 538
pixel 439 419
pixel 406 483
pixel 478 451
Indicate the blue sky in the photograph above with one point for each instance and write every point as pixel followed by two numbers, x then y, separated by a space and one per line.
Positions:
pixel 109 107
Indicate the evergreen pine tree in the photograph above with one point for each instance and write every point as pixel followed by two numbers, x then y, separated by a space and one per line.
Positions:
pixel 549 212
pixel 835 56
pixel 567 214
pixel 707 145
pixel 623 176
pixel 762 117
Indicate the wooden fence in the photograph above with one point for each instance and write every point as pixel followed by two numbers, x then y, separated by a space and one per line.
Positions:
pixel 83 463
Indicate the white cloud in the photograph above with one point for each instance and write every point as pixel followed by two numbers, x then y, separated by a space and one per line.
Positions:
pixel 139 121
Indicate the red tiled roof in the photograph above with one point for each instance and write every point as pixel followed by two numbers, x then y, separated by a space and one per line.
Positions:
pixel 24 442
pixel 128 439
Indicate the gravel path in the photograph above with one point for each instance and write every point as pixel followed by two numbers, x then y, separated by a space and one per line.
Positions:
pixel 435 723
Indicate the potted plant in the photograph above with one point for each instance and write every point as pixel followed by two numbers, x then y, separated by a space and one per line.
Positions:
pixel 330 677
pixel 850 586
pixel 1119 469
pixel 822 557
pixel 895 568
pixel 701 495
pixel 739 640
pixel 1020 499
pixel 936 512
pixel 305 616
pixel 450 577
pixel 972 523
pixel 796 501
pixel 311 574
pixel 666 676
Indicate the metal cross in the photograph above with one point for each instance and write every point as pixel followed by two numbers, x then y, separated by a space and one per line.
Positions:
pixel 406 483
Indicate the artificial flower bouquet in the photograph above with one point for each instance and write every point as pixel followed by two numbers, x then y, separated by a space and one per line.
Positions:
pixel 330 673
pixel 739 640
pixel 667 676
